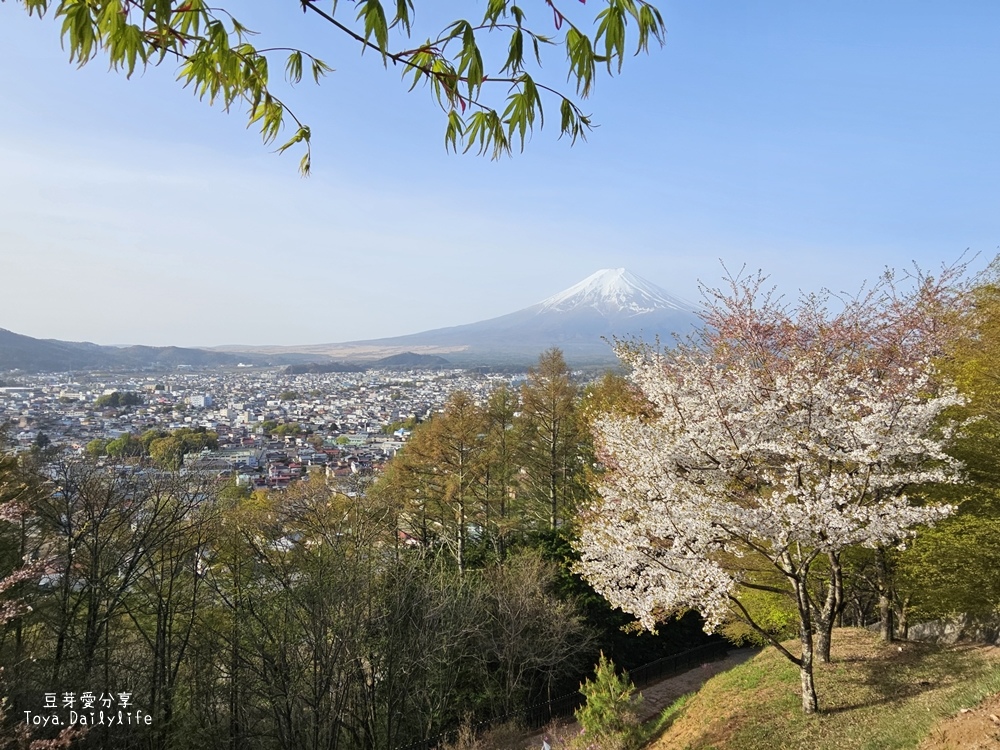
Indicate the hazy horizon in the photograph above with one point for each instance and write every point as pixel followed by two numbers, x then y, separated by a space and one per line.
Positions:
pixel 819 144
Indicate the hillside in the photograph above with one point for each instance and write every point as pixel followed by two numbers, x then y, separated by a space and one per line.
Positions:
pixel 872 696
pixel 20 352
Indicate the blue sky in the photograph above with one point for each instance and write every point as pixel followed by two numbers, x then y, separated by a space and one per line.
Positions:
pixel 818 142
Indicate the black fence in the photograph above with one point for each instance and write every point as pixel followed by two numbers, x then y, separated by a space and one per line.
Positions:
pixel 668 665
pixel 537 716
pixel 541 714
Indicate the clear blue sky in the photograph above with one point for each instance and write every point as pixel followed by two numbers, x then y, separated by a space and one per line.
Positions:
pixel 818 142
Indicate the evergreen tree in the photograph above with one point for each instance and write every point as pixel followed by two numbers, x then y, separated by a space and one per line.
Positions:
pixel 610 714
pixel 553 439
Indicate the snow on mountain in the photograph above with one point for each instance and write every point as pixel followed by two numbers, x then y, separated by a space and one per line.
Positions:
pixel 614 291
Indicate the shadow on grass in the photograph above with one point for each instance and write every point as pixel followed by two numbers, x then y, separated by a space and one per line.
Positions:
pixel 871 696
pixel 906 670
pixel 653 729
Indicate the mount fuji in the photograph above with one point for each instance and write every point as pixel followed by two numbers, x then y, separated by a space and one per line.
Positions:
pixel 609 303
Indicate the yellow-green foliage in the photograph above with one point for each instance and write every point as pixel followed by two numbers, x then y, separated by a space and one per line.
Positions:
pixel 955 567
pixel 775 613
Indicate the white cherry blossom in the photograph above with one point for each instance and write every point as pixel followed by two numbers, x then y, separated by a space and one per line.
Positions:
pixel 779 437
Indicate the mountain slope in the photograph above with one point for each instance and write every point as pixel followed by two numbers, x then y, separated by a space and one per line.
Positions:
pixel 19 352
pixel 609 303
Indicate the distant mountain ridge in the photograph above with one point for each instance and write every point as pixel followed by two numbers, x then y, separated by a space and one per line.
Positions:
pixel 20 352
pixel 581 320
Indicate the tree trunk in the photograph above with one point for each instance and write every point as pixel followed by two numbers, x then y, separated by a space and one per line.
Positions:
pixel 810 704
pixel 884 597
pixel 903 629
pixel 460 554
pixel 837 581
pixel 885 618
pixel 823 637
pixel 832 605
pixel 553 501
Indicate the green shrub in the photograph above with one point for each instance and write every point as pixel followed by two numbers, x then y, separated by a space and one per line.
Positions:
pixel 610 715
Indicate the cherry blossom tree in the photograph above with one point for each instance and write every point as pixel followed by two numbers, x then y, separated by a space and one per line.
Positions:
pixel 778 438
pixel 16 488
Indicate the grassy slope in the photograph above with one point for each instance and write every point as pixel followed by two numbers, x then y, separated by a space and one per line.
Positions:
pixel 871 696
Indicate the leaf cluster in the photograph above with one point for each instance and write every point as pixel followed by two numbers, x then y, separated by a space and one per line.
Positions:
pixel 490 93
pixel 214 52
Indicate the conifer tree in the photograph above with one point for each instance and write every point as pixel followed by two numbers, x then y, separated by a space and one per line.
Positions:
pixel 610 713
pixel 553 439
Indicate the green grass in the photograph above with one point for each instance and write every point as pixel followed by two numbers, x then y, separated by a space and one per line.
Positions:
pixel 654 728
pixel 872 697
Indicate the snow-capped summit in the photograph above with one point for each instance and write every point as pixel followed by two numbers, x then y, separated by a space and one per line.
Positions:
pixel 614 291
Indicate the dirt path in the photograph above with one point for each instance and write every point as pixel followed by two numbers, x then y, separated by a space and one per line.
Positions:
pixel 657 696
